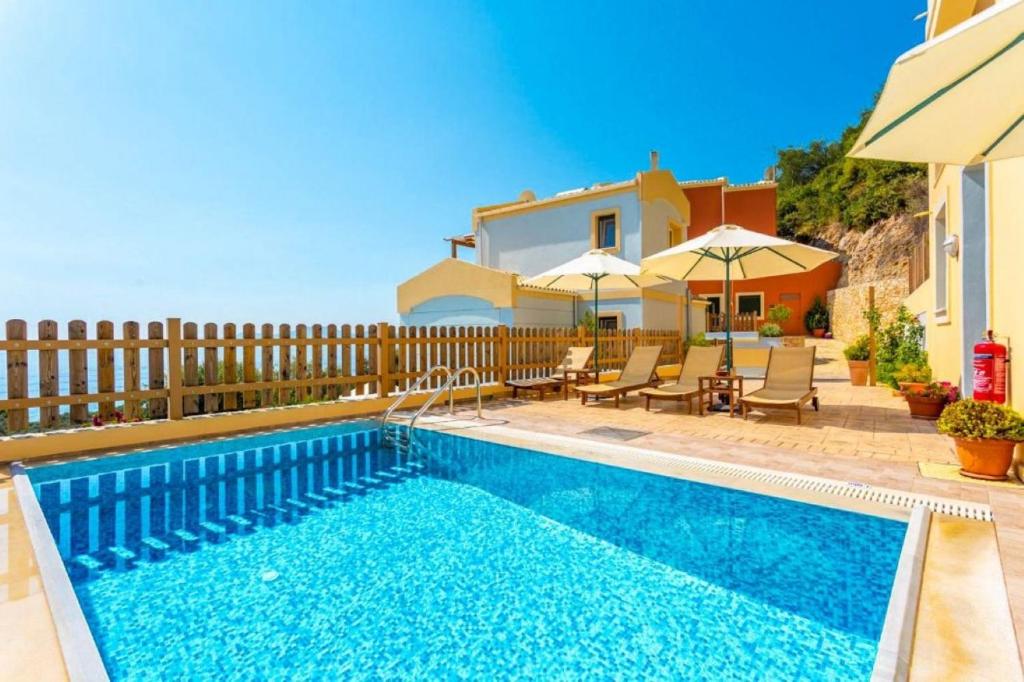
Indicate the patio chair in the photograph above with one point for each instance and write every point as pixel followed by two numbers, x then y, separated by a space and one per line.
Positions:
pixel 700 361
pixel 788 382
pixel 575 362
pixel 640 369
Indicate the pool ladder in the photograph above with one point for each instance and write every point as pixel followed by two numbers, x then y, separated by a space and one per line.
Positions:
pixel 399 436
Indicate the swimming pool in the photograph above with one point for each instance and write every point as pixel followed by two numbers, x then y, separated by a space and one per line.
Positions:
pixel 314 553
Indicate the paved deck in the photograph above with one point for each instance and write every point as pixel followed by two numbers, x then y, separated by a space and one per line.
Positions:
pixel 862 434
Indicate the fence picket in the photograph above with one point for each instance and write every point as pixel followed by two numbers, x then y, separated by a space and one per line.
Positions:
pixel 49 376
pixel 284 364
pixel 157 406
pixel 229 400
pixel 248 365
pixel 267 372
pixel 130 369
pixel 211 401
pixel 105 368
pixel 17 375
pixel 190 375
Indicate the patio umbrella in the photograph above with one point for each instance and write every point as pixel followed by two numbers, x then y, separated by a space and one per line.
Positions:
pixel 730 252
pixel 592 270
pixel 955 99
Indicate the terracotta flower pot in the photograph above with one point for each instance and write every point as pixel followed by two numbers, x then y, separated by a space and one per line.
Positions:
pixel 818 333
pixel 922 407
pixel 858 372
pixel 985 458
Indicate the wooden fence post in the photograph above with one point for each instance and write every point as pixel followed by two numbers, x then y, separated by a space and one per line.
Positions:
pixel 105 367
pixel 384 358
pixel 130 368
pixel 78 366
pixel 17 376
pixel 49 376
pixel 174 398
pixel 157 406
pixel 872 366
pixel 502 354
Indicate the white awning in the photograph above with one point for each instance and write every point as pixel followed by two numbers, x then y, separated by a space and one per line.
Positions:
pixel 958 98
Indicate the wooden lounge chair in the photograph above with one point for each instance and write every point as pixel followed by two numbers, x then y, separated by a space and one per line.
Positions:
pixel 700 361
pixel 640 369
pixel 575 362
pixel 788 382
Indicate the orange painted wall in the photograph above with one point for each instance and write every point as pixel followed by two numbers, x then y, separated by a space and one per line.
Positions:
pixel 754 209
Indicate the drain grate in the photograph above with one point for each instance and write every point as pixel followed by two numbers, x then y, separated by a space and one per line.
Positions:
pixel 614 433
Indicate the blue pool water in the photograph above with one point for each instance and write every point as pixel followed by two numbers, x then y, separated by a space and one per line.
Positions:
pixel 314 554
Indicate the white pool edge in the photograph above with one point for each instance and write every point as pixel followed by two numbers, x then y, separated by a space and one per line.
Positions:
pixel 82 659
pixel 895 646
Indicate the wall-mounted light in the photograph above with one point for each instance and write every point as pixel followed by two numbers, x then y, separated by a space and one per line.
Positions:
pixel 952 246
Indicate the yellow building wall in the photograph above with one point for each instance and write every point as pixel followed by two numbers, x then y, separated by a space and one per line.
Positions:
pixel 942 332
pixel 1006 255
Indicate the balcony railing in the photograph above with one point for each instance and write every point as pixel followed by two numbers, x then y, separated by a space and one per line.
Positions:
pixel 741 322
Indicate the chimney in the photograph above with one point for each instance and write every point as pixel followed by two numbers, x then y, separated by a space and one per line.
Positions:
pixel 654 159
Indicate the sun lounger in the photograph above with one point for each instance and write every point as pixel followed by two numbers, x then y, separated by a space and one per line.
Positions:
pixel 700 361
pixel 788 382
pixel 575 362
pixel 640 369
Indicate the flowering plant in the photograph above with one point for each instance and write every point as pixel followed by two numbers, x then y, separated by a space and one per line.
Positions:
pixel 978 419
pixel 935 389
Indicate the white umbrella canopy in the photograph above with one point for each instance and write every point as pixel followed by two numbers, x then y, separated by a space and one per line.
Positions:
pixel 730 252
pixel 734 252
pixel 592 271
pixel 956 99
pixel 583 273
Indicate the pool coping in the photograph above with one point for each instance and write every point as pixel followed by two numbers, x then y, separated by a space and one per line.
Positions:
pixel 82 660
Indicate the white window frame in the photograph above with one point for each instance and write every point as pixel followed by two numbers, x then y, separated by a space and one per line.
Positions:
pixel 940 273
pixel 759 294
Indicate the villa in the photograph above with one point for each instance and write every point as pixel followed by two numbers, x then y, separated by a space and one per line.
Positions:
pixel 631 219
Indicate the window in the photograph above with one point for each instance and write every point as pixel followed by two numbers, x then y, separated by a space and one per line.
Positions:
pixel 606 238
pixel 605 230
pixel 750 303
pixel 609 321
pixel 940 263
pixel 675 234
pixel 715 303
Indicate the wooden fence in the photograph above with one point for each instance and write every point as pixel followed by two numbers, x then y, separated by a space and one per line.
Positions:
pixel 918 264
pixel 741 322
pixel 176 371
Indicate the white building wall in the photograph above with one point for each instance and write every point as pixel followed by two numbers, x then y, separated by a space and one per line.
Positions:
pixel 534 241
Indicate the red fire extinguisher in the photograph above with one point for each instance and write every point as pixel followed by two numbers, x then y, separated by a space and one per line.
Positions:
pixel 990 370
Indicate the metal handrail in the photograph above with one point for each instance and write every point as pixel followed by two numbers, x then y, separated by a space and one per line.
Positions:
pixel 419 382
pixel 450 386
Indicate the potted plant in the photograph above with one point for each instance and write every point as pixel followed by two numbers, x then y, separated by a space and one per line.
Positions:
pixel 900 343
pixel 771 334
pixel 912 376
pixel 985 434
pixel 816 318
pixel 857 355
pixel 928 400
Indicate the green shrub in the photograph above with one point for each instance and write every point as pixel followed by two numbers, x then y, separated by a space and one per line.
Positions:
pixel 859 349
pixel 816 316
pixel 698 340
pixel 979 419
pixel 778 314
pixel 911 373
pixel 900 343
pixel 771 330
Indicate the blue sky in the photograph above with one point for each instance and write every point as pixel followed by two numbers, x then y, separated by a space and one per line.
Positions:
pixel 292 162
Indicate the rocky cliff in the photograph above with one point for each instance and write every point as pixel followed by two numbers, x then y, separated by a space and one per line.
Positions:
pixel 875 257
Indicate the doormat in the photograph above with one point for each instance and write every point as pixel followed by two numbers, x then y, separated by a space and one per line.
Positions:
pixel 951 472
pixel 614 433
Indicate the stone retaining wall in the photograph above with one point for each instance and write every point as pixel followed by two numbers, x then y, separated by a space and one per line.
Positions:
pixel 847 305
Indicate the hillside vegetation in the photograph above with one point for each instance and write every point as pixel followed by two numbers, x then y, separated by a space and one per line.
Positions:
pixel 819 187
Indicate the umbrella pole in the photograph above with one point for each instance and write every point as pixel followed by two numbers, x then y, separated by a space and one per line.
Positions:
pixel 597 326
pixel 728 317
